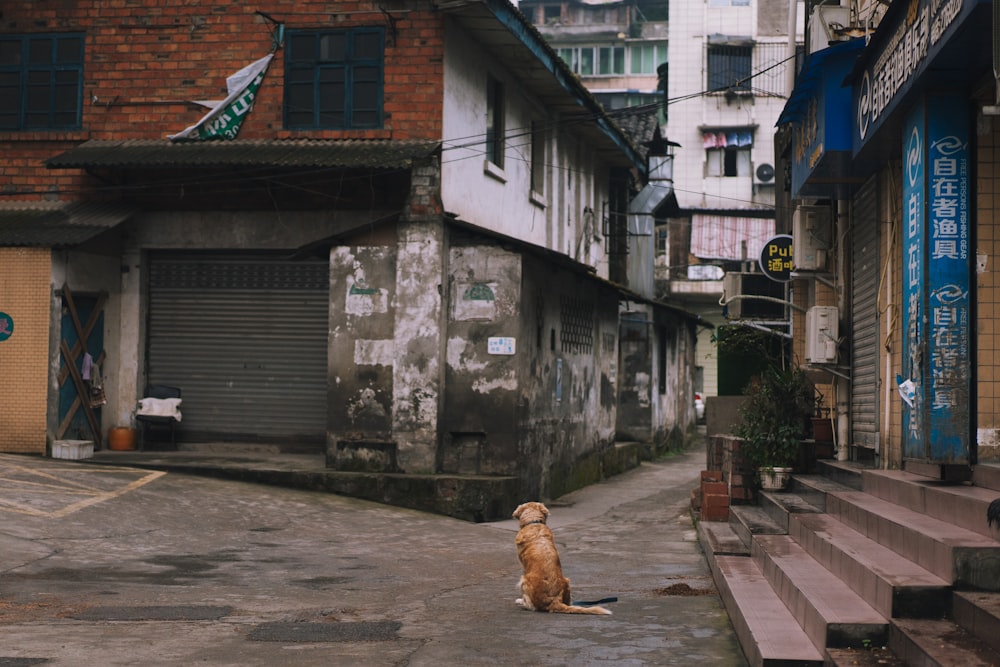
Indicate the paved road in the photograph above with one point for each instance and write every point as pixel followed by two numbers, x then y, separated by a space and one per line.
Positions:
pixel 104 566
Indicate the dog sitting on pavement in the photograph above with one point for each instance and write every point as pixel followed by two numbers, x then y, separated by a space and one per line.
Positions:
pixel 543 586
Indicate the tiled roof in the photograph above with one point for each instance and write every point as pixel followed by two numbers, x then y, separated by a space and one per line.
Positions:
pixel 56 224
pixel 311 153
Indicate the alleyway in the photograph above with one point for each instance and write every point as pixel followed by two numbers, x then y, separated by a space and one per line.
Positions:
pixel 116 566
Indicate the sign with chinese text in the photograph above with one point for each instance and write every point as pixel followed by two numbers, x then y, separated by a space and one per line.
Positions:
pixel 501 345
pixel 936 347
pixel 776 258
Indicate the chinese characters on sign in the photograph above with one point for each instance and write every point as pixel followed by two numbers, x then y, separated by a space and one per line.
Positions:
pixel 936 243
pixel 776 258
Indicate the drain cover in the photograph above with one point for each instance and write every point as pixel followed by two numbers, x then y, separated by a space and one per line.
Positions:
pixel 162 613
pixel 363 631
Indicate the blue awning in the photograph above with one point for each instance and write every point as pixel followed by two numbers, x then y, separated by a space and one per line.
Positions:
pixel 812 77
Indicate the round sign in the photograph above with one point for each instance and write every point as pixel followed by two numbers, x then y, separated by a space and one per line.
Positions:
pixel 776 258
pixel 6 326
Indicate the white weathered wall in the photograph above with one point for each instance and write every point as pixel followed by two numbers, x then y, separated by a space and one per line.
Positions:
pixel 502 202
pixel 690 25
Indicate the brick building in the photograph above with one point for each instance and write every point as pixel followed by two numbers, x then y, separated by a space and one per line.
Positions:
pixel 397 232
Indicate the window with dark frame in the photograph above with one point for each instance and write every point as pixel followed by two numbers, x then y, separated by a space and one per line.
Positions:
pixel 494 121
pixel 334 79
pixel 729 67
pixel 41 81
pixel 537 158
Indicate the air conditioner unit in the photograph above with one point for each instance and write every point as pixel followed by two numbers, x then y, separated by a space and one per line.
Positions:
pixel 811 238
pixel 822 328
pixel 742 292
pixel 827 25
pixel 764 174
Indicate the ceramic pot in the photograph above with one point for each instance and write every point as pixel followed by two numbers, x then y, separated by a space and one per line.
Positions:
pixel 775 479
pixel 121 438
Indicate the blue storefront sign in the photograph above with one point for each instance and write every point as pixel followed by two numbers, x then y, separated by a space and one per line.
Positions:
pixel 936 348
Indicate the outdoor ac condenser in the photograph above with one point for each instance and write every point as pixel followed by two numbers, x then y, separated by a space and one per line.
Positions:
pixel 821 334
pixel 811 237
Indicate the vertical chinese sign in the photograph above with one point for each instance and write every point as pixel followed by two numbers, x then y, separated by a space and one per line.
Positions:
pixel 936 345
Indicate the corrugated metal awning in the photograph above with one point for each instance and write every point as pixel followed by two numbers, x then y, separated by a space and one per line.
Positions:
pixel 57 224
pixel 298 153
pixel 716 236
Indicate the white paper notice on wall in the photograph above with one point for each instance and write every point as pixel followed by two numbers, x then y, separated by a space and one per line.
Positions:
pixel 501 345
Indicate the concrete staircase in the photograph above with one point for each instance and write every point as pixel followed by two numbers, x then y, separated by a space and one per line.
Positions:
pixel 855 566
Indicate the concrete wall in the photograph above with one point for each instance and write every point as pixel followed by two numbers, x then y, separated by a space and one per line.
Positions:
pixel 568 387
pixel 25 298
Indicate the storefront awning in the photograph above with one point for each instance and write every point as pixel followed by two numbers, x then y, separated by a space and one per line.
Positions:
pixel 290 154
pixel 56 224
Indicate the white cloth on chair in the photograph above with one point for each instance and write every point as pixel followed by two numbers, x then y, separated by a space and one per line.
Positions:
pixel 160 407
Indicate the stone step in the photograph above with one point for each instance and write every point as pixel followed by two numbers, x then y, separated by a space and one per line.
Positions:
pixel 783 504
pixel 814 488
pixel 749 520
pixel 962 505
pixel 937 642
pixel 961 557
pixel 847 473
pixel 987 476
pixel 719 539
pixel 830 613
pixel 894 586
pixel 767 631
pixel 978 612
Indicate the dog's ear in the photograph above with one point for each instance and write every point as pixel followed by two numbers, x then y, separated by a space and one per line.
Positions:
pixel 545 510
pixel 517 512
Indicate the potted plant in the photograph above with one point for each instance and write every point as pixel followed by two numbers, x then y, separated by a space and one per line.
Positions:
pixel 778 405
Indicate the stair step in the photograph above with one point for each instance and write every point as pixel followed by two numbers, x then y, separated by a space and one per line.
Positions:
pixel 894 586
pixel 847 473
pixel 766 629
pixel 781 505
pixel 938 642
pixel 958 504
pixel 961 557
pixel 719 539
pixel 987 476
pixel 814 488
pixel 831 614
pixel 874 656
pixel 750 520
pixel 979 613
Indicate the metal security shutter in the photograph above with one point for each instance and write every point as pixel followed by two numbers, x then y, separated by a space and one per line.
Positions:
pixel 245 338
pixel 864 315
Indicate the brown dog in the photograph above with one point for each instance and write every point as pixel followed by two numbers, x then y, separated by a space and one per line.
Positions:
pixel 543 586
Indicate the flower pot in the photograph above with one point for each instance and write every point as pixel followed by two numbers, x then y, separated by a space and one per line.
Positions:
pixel 774 478
pixel 121 438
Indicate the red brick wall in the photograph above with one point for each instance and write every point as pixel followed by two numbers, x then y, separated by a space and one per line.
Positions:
pixel 144 58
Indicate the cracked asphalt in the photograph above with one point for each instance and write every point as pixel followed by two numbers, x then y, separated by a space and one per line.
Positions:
pixel 104 566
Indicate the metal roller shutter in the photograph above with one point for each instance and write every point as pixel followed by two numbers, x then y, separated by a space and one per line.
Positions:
pixel 864 315
pixel 245 338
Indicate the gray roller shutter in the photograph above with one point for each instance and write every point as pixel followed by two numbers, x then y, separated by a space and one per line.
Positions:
pixel 864 315
pixel 245 338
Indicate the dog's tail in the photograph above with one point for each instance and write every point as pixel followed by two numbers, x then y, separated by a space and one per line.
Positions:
pixel 558 607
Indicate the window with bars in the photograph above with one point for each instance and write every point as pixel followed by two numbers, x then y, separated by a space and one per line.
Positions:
pixel 576 325
pixel 334 79
pixel 41 81
pixel 729 67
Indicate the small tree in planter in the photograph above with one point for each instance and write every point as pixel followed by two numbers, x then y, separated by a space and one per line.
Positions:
pixel 778 405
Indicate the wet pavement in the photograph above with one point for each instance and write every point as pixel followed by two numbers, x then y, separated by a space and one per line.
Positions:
pixel 105 564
